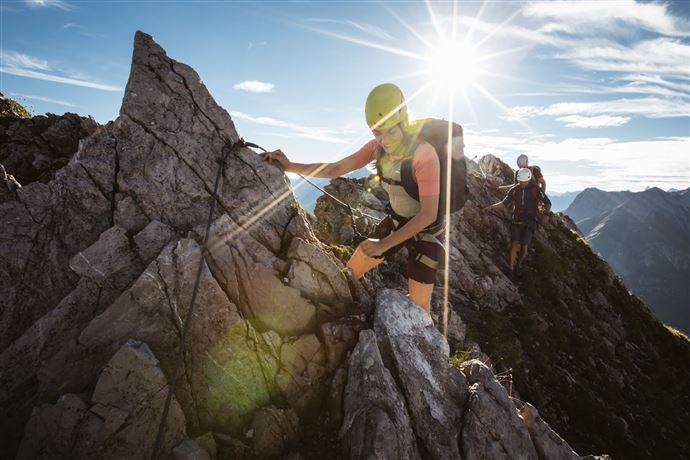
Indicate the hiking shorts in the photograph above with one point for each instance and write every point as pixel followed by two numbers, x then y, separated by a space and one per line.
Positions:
pixel 522 232
pixel 425 255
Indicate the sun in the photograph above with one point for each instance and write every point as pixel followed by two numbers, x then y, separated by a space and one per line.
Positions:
pixel 453 65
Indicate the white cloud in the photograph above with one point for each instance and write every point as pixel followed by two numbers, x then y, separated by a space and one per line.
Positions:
pixel 575 163
pixel 254 86
pixel 308 132
pixel 657 56
pixel 578 121
pixel 255 44
pixel 45 99
pixel 581 36
pixel 651 107
pixel 58 79
pixel 658 80
pixel 23 65
pixel 367 28
pixel 598 16
pixel 14 59
pixel 49 3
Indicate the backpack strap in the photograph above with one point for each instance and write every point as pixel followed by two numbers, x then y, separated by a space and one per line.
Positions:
pixel 533 188
pixel 408 179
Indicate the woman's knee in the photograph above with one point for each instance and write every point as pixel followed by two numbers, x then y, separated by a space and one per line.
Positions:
pixel 420 293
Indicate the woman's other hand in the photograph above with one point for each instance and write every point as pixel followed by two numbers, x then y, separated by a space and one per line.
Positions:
pixel 373 248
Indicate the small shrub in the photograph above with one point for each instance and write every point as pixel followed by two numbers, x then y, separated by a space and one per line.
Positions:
pixel 459 357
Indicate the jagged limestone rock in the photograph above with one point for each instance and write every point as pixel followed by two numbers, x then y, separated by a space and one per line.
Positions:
pixel 338 338
pixel 566 328
pixel 548 443
pixel 225 378
pixel 33 148
pixel 128 213
pixel 418 357
pixel 492 427
pixel 122 423
pixel 334 224
pixel 376 422
pixel 200 448
pixel 107 267
pixel 273 429
pixel 190 450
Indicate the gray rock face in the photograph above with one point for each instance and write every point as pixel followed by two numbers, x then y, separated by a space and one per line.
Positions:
pixel 109 249
pixel 548 443
pixel 403 399
pixel 418 356
pixel 273 429
pixel 566 328
pixel 376 423
pixel 34 148
pixel 122 422
pixel 335 225
pixel 492 426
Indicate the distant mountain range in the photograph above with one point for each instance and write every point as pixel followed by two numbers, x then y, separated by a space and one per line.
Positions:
pixel 561 200
pixel 307 194
pixel 645 237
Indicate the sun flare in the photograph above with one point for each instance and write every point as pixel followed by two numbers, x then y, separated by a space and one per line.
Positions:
pixel 453 65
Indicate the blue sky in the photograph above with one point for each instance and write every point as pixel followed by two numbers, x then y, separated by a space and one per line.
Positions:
pixel 597 93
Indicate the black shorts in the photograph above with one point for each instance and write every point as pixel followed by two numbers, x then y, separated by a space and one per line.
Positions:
pixel 425 256
pixel 522 232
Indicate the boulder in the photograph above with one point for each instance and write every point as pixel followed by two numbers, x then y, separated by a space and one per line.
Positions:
pixel 548 443
pixel 273 430
pixel 418 357
pixel 127 405
pixel 376 422
pixel 492 427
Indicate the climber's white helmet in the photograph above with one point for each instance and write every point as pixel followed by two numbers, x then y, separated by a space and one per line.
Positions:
pixel 524 175
pixel 522 161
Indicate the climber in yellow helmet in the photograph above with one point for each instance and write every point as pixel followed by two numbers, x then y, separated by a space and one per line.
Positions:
pixel 415 222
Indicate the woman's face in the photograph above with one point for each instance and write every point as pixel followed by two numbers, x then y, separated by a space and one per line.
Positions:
pixel 389 139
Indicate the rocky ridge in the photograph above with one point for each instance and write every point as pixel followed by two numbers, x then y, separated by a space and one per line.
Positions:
pixel 98 267
pixel 567 335
pixel 106 253
pixel 34 148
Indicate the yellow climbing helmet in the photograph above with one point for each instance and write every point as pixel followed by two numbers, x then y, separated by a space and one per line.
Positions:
pixel 386 107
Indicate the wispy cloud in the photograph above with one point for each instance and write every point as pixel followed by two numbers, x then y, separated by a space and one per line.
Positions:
pixel 49 3
pixel 597 17
pixel 21 60
pixel 602 37
pixel 367 28
pixel 254 86
pixel 575 163
pixel 308 132
pixel 44 99
pixel 600 121
pixel 256 44
pixel 650 107
pixel 657 56
pixel 58 79
pixel 23 65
